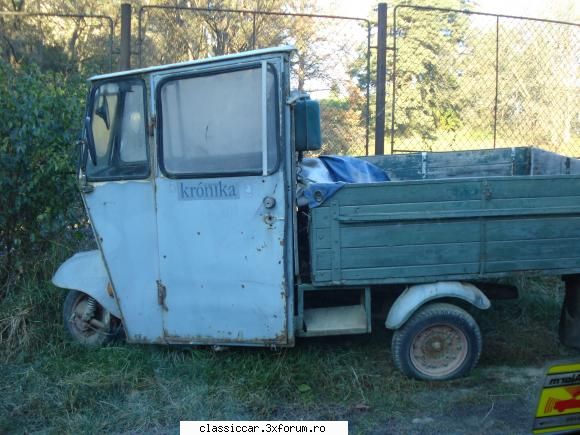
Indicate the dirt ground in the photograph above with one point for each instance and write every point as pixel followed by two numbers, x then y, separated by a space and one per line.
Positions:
pixel 498 401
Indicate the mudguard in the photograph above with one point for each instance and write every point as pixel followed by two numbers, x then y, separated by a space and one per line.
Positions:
pixel 417 295
pixel 86 272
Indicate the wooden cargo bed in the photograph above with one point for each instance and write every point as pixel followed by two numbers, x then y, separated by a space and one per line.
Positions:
pixel 451 216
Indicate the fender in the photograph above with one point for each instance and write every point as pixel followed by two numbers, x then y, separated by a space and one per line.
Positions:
pixel 86 272
pixel 417 295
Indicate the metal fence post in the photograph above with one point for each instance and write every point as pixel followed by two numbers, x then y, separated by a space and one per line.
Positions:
pixel 125 55
pixel 381 79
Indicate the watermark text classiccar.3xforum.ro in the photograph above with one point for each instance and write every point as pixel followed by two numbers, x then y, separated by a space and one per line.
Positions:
pixel 259 427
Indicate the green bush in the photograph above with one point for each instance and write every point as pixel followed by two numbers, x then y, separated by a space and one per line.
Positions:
pixel 40 118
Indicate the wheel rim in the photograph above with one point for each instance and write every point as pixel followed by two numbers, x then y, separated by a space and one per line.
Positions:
pixel 439 350
pixel 84 330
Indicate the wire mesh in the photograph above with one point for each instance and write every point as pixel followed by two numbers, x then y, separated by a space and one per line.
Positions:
pixel 60 42
pixel 462 80
pixel 332 52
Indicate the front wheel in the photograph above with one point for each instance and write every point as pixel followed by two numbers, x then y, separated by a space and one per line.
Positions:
pixel 86 321
pixel 439 342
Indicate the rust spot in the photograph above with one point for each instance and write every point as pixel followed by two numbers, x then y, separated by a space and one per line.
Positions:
pixel 110 290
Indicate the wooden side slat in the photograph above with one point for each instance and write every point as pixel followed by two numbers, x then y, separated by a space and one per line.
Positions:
pixel 390 235
pixel 532 228
pixel 393 274
pixel 495 170
pixel 564 265
pixel 408 192
pixel 540 202
pixel 432 254
pixel 532 249
pixel 410 207
pixel 534 187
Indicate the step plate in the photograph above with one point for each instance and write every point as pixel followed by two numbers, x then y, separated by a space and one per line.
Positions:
pixel 350 319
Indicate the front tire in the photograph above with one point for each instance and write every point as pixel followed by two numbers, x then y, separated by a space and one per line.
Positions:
pixel 439 342
pixel 86 321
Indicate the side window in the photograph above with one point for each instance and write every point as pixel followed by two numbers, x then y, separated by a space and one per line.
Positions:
pixel 118 120
pixel 103 120
pixel 212 124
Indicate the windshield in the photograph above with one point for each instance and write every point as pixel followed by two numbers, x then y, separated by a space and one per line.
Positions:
pixel 118 126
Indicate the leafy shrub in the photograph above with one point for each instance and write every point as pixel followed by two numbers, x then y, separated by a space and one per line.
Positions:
pixel 40 117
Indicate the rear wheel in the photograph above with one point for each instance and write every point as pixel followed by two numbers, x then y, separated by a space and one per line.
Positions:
pixel 86 321
pixel 439 342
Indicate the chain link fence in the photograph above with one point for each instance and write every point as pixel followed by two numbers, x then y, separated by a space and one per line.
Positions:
pixel 465 80
pixel 456 79
pixel 60 42
pixel 332 61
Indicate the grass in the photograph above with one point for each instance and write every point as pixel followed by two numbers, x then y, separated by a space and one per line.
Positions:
pixel 49 384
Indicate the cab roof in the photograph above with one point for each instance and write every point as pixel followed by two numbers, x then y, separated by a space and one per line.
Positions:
pixel 209 60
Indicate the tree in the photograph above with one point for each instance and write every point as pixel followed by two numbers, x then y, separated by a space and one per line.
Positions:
pixel 426 73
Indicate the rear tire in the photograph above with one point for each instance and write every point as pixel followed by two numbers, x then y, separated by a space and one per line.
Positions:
pixel 439 342
pixel 97 329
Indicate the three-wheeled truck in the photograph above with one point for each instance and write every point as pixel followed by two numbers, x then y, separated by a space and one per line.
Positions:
pixel 213 229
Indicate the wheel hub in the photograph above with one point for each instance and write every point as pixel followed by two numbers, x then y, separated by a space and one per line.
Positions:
pixel 438 350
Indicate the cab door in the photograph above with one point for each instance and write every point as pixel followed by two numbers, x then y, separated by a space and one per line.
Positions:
pixel 221 205
pixel 120 201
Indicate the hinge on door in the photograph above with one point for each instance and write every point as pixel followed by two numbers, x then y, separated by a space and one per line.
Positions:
pixel 161 293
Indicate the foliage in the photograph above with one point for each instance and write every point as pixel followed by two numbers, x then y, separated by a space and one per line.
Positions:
pixel 71 44
pixel 343 122
pixel 41 114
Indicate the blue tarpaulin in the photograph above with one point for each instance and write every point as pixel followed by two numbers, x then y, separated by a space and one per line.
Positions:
pixel 322 177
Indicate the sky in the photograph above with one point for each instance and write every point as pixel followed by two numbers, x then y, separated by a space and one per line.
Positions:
pixel 568 10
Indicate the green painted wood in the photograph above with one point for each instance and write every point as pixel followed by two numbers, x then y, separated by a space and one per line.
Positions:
pixel 491 213
pixel 522 163
pixel 320 217
pixel 390 235
pixel 430 165
pixel 497 170
pixel 454 228
pixel 554 266
pixel 533 228
pixel 431 254
pixel 336 246
pixel 377 275
pixel 410 207
pixel 535 187
pixel 409 192
pixel 537 203
pixel 323 259
pixel 533 249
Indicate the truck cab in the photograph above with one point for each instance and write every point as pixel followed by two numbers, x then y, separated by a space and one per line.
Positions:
pixel 186 173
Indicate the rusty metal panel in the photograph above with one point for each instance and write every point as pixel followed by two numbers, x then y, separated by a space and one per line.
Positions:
pixel 123 218
pixel 223 236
